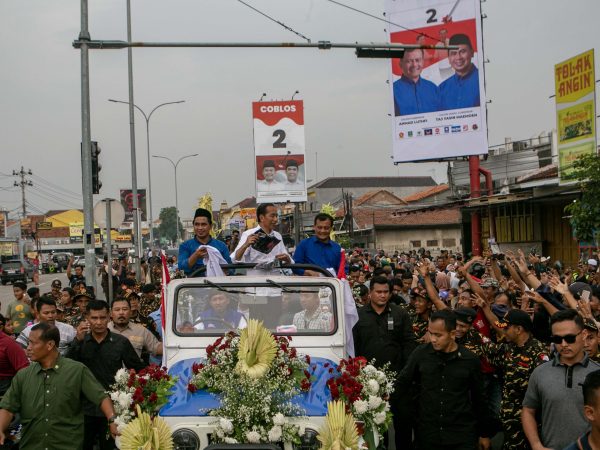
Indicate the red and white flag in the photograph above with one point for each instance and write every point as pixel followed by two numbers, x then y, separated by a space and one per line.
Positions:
pixel 163 292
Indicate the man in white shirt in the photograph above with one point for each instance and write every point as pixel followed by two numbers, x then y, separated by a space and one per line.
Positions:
pixel 46 312
pixel 268 183
pixel 246 250
pixel 291 172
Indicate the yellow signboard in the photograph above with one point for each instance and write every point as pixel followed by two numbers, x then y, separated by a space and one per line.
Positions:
pixel 575 90
pixel 44 225
pixel 574 78
pixel 76 229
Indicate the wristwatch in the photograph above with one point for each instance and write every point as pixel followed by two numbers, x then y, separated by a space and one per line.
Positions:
pixel 112 418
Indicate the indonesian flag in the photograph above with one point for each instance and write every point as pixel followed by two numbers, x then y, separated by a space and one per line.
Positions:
pixel 341 274
pixel 163 292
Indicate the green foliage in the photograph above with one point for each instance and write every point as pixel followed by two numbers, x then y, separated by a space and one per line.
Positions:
pixel 585 211
pixel 167 230
pixel 344 241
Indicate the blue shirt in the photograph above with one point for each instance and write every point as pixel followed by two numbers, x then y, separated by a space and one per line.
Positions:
pixel 191 245
pixel 460 92
pixel 323 254
pixel 415 98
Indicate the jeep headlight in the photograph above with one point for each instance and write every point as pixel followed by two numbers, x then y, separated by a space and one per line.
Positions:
pixel 184 439
pixel 308 441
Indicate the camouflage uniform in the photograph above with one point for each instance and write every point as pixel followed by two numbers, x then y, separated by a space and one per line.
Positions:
pixel 595 357
pixel 70 314
pixel 149 306
pixel 419 325
pixel 517 364
pixel 474 341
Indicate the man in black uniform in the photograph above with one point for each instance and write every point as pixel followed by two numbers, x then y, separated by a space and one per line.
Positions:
pixel 384 333
pixel 451 409
pixel 104 353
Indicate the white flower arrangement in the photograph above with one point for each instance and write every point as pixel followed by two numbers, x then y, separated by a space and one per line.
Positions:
pixel 253 406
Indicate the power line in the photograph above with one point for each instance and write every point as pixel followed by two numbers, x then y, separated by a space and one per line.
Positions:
pixel 22 184
pixel 419 33
pixel 52 198
pixel 275 20
pixel 37 177
pixel 57 192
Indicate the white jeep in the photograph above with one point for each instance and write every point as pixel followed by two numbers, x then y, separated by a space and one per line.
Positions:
pixel 199 310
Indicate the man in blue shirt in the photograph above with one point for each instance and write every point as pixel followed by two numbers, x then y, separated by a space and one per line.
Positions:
pixel 461 90
pixel 319 249
pixel 190 254
pixel 413 94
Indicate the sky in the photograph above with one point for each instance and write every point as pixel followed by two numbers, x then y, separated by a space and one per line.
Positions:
pixel 347 105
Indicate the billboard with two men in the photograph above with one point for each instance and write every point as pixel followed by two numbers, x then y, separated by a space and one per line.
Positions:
pixel 438 94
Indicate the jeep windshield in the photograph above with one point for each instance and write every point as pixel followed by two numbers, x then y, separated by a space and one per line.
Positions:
pixel 210 308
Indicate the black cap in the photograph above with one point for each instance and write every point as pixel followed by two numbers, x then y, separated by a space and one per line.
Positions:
pixel 291 163
pixel 590 324
pixel 201 212
pixel 128 282
pixel 519 317
pixel 465 315
pixel 268 163
pixel 86 295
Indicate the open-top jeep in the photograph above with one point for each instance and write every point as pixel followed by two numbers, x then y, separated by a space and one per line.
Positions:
pixel 199 310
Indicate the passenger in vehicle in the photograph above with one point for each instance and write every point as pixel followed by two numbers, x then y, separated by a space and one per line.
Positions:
pixel 220 314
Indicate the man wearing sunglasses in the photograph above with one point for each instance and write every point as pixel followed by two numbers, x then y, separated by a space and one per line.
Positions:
pixel 554 388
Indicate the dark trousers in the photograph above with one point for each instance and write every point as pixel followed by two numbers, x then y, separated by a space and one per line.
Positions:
pixel 95 430
pixel 402 418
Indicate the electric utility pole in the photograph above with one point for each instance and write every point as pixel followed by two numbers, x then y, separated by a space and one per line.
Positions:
pixel 22 183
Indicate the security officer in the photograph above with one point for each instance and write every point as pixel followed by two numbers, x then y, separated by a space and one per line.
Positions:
pixel 517 357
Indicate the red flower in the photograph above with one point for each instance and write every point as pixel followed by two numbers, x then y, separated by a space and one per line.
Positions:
pixel 197 367
pixel 153 397
pixel 142 382
pixel 192 388
pixel 293 353
pixel 138 395
pixel 305 384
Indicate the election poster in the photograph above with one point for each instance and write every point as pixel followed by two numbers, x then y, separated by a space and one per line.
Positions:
pixel 437 95
pixel 127 202
pixel 574 81
pixel 279 150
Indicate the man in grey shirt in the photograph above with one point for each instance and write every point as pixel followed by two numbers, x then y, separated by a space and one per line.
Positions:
pixel 554 388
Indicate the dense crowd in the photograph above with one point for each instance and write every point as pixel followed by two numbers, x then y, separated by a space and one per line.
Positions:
pixel 499 344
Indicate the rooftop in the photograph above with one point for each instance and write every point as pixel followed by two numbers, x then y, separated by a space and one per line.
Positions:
pixel 374 182
pixel 421 195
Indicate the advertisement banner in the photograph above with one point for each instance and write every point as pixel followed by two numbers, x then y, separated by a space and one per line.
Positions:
pixel 437 95
pixel 76 232
pixel 575 90
pixel 127 202
pixel 279 150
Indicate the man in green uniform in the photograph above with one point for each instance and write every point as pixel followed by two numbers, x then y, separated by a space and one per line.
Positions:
pixel 47 395
pixel 517 358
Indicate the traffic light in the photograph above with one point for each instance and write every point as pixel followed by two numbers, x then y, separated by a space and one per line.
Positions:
pixel 96 168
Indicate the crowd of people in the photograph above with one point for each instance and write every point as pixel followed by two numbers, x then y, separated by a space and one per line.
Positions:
pixel 498 344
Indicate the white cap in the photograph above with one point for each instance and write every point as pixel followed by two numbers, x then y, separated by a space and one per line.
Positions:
pixel 592 262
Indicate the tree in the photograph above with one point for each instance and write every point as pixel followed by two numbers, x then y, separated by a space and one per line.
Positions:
pixel 585 211
pixel 166 229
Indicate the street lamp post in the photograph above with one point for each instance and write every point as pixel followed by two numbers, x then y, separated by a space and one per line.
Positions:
pixel 147 117
pixel 175 164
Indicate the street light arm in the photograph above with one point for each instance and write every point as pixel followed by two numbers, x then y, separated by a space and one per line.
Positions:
pixel 184 157
pixel 135 106
pixel 163 104
pixel 168 159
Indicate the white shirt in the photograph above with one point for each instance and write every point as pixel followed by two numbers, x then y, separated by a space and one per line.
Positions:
pixel 295 186
pixel 67 334
pixel 265 186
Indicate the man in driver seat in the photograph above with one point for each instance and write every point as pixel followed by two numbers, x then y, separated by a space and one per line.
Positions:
pixel 220 314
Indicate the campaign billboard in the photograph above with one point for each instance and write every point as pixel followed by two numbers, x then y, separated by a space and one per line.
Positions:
pixel 575 90
pixel 279 151
pixel 437 95
pixel 127 202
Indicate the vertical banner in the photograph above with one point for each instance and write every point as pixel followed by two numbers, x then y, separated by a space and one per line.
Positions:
pixel 437 95
pixel 575 89
pixel 279 151
pixel 127 202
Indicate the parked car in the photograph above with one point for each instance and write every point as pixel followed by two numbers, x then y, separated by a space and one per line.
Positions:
pixel 16 270
pixel 61 260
